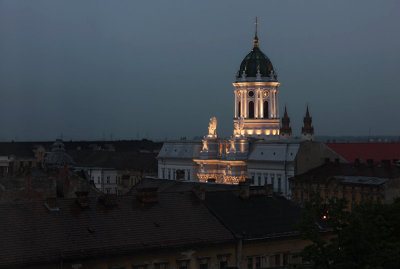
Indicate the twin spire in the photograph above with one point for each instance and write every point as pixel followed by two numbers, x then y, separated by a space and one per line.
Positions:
pixel 307 131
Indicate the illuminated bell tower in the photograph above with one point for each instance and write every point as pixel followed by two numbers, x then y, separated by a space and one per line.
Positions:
pixel 256 96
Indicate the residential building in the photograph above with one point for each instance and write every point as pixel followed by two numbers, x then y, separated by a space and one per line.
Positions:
pixel 105 179
pixel 354 182
pixel 190 225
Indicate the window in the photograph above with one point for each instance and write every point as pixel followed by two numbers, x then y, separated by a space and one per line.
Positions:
pixel 279 184
pixel 250 263
pixel 161 265
pixel 277 259
pixel 180 174
pixel 285 258
pixel 223 264
pixel 223 260
pixel 239 115
pixel 203 265
pixel 182 264
pixel 258 262
pixel 139 266
pixel 117 267
pixel 265 109
pixel 203 262
pixel 251 110
pixel 273 181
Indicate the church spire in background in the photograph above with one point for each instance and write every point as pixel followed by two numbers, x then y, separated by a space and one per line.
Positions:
pixel 286 130
pixel 307 132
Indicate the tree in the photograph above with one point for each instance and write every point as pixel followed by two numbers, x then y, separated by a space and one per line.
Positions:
pixel 366 237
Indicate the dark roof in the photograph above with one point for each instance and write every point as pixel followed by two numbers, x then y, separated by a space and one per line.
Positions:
pixel 374 151
pixel 166 185
pixel 322 173
pixel 142 161
pixel 362 180
pixel 254 61
pixel 255 217
pixel 122 154
pixel 31 233
pixel 258 216
pixel 20 149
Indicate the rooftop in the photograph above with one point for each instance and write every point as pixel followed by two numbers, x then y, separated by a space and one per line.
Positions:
pixel 375 151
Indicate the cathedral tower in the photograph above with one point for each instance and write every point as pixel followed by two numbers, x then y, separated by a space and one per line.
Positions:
pixel 256 96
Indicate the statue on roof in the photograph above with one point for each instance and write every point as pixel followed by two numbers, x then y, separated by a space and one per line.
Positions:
pixel 212 127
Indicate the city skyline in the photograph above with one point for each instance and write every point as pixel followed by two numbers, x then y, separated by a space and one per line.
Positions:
pixel 83 71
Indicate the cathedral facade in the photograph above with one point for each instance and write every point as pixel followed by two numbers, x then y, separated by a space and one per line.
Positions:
pixel 260 148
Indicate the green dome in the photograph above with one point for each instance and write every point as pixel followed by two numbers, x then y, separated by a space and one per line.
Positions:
pixel 254 61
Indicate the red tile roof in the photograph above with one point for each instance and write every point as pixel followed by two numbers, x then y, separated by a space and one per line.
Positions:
pixel 364 151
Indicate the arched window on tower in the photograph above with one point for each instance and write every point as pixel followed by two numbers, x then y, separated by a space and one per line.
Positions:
pixel 266 110
pixel 239 114
pixel 251 110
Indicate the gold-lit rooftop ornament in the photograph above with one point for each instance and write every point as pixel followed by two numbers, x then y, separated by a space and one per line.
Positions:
pixel 255 36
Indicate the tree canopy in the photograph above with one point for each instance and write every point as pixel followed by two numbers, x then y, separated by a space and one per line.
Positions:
pixel 368 236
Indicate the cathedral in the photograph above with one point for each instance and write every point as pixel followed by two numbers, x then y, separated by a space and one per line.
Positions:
pixel 261 147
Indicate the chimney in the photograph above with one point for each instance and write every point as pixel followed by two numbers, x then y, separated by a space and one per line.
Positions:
pixel 108 200
pixel 244 188
pixel 147 195
pixel 370 162
pixel 199 192
pixel 82 199
pixel 269 190
pixel 28 181
pixel 386 163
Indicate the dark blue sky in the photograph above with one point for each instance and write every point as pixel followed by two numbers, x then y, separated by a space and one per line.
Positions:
pixel 92 69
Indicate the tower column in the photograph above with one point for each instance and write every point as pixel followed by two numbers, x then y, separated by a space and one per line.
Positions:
pixel 236 105
pixel 245 104
pixel 271 105
pixel 274 96
pixel 256 105
pixel 243 113
pixel 261 103
pixel 277 102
